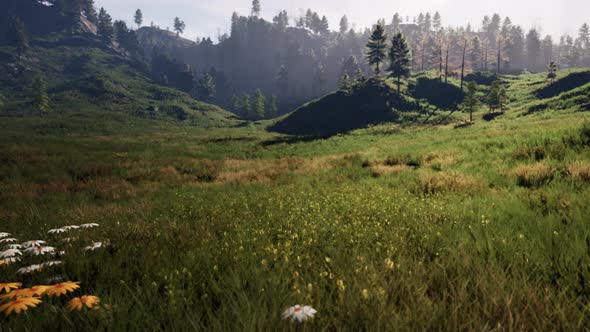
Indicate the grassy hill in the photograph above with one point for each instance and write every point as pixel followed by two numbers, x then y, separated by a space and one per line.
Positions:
pixel 87 80
pixel 428 100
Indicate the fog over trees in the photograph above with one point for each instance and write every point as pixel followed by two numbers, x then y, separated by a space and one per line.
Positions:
pixel 295 58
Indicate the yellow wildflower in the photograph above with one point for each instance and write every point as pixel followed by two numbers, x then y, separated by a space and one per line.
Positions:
pixel 7 287
pixel 340 285
pixel 18 305
pixel 365 294
pixel 63 288
pixel 78 303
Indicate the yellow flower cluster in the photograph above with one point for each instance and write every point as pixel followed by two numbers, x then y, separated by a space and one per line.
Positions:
pixel 19 300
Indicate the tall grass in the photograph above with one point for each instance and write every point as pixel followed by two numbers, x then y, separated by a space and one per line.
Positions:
pixel 381 229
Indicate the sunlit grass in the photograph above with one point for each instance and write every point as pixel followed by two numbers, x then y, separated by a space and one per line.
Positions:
pixel 385 228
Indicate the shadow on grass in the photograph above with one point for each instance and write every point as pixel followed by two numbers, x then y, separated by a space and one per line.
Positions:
pixel 567 83
pixel 292 140
pixel 492 116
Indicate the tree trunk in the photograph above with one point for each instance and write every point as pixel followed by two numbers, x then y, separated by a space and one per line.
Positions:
pixel 447 66
pixel 440 58
pixel 499 59
pixel 463 64
pixel 471 114
pixel 422 58
pixel 485 59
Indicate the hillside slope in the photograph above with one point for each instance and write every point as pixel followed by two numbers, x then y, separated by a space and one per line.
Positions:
pixel 85 77
pixel 428 100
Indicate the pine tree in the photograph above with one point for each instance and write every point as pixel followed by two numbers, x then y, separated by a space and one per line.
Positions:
pixel 471 101
pixel 324 26
pixel 344 26
pixel 90 11
pixel 552 71
pixel 256 8
pixel 246 107
pixel 399 59
pixel 377 47
pixel 494 96
pixel 40 98
pixel 319 78
pixel 283 80
pixel 396 22
pixel 345 83
pixel 282 20
pixel 475 53
pixel 206 88
pixel 533 48
pixel 437 21
pixel 502 98
pixel 18 36
pixel 105 26
pixel 235 104
pixel 350 66
pixel 259 102
pixel 138 18
pixel 427 22
pixel 584 40
pixel 273 109
pixel 547 49
pixel 179 26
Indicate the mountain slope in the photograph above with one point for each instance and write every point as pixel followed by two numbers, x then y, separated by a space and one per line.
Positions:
pixel 85 76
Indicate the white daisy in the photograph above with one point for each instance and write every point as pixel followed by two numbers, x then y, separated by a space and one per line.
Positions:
pixel 33 243
pixel 30 269
pixel 94 246
pixel 92 225
pixel 39 251
pixel 11 260
pixel 10 253
pixel 52 263
pixel 13 246
pixel 67 228
pixel 57 231
pixel 299 313
pixel 8 240
pixel 4 234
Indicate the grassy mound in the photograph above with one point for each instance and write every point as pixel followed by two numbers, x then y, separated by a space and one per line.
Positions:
pixel 369 102
pixel 440 94
pixel 567 83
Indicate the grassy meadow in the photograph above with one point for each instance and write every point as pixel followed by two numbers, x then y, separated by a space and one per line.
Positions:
pixel 409 228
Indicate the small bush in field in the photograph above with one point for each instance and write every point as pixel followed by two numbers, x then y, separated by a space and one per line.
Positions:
pixel 579 170
pixel 534 175
pixel 439 182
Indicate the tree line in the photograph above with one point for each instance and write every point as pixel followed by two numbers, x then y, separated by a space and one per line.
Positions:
pixel 297 58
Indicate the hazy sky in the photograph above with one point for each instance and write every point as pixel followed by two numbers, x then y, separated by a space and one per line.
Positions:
pixel 207 17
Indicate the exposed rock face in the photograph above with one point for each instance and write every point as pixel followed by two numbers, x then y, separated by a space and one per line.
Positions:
pixel 41 19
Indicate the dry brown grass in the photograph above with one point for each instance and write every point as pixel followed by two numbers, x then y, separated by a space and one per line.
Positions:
pixel 384 170
pixel 579 170
pixel 26 154
pixel 429 182
pixel 267 170
pixel 447 158
pixel 534 175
